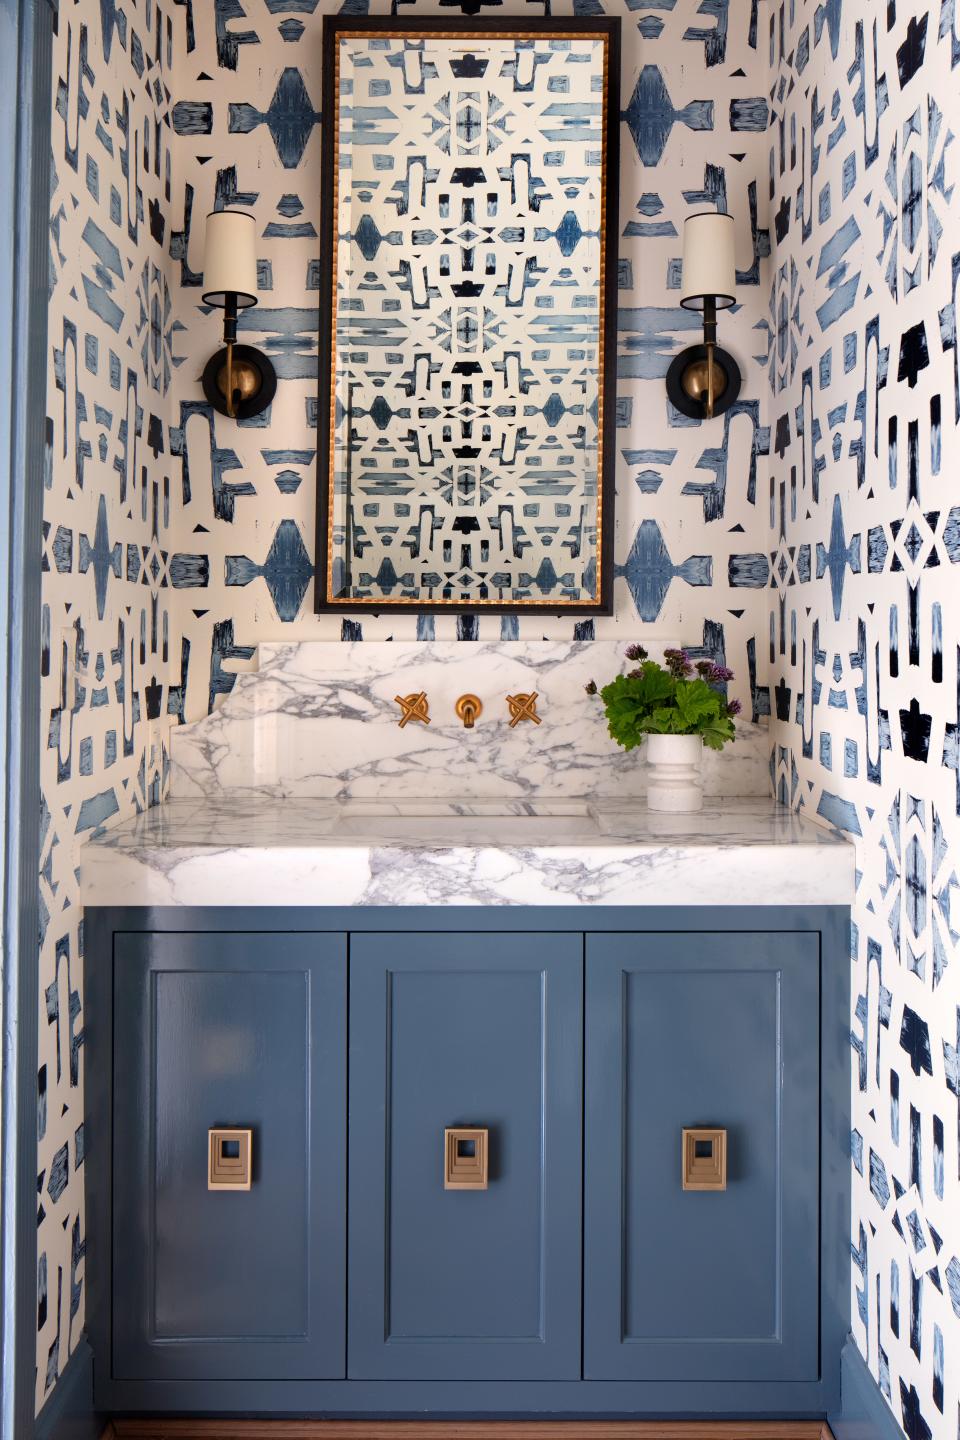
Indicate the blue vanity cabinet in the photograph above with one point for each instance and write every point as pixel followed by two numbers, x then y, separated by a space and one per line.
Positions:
pixel 239 1031
pixel 374 1268
pixel 481 1032
pixel 721 1032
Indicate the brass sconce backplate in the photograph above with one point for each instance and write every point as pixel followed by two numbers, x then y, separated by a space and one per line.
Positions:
pixel 696 381
pixel 254 381
pixel 704 1163
pixel 465 1159
pixel 689 382
pixel 229 1154
pixel 245 380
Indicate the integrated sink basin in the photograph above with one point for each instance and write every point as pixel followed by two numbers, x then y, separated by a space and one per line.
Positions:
pixel 502 822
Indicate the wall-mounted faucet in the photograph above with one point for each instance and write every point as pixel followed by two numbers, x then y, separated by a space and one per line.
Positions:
pixel 469 709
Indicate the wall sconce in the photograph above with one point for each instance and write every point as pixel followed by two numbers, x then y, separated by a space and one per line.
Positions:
pixel 703 380
pixel 239 380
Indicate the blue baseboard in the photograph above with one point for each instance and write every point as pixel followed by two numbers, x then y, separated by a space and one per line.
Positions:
pixel 69 1413
pixel 864 1413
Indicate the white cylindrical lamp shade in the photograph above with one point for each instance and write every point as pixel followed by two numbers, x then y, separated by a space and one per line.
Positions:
pixel 230 259
pixel 709 261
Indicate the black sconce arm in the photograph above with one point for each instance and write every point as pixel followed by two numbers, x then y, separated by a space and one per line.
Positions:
pixel 230 339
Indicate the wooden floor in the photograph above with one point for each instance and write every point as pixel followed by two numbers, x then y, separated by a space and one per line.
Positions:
pixel 466 1430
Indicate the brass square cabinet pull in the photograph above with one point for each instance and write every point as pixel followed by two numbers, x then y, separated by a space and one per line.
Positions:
pixel 229 1154
pixel 466 1155
pixel 704 1162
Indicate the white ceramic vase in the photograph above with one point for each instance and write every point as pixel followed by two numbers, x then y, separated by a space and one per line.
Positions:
pixel 674 773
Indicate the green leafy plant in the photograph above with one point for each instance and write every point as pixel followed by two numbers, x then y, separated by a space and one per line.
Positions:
pixel 678 698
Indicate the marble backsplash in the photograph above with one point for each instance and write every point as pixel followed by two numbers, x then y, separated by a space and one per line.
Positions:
pixel 318 719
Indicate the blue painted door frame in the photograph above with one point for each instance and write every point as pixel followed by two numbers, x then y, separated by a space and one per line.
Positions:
pixel 26 30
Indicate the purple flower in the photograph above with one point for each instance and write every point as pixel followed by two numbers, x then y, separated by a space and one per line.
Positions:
pixel 635 652
pixel 733 708
pixel 591 687
pixel 712 673
pixel 678 663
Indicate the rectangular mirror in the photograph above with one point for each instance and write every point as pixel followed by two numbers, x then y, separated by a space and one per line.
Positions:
pixel 468 314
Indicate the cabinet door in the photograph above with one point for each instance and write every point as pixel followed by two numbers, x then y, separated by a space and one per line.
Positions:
pixel 702 1031
pixel 231 1030
pixel 482 1032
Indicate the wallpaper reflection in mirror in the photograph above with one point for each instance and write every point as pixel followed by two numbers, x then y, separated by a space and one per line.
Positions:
pixel 465 399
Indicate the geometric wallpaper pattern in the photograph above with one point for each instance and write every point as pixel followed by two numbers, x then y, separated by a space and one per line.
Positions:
pixel 470 214
pixel 807 539
pixel 864 410
pixel 690 517
pixel 106 571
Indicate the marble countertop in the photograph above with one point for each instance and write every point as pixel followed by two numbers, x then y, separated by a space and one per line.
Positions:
pixel 268 851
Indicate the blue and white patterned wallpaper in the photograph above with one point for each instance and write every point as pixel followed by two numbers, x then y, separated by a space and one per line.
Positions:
pixel 691 509
pixel 106 565
pixel 864 631
pixel 808 539
pixel 468 320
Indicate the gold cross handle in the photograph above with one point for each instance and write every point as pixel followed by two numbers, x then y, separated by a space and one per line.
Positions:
pixel 523 707
pixel 414 707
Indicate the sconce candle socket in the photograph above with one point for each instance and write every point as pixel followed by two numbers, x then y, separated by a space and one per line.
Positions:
pixel 704 381
pixel 238 381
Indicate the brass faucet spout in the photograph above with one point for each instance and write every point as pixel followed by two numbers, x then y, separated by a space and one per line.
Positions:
pixel 469 710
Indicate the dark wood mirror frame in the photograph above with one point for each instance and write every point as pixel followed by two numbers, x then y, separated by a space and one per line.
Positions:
pixel 602 27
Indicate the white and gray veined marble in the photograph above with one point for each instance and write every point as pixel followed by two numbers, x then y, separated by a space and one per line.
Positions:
pixel 301 789
pixel 265 851
pixel 319 720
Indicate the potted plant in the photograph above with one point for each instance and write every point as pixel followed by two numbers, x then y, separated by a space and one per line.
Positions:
pixel 678 707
